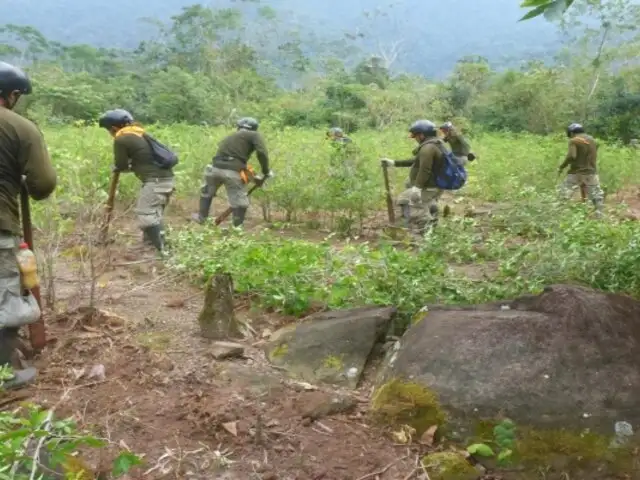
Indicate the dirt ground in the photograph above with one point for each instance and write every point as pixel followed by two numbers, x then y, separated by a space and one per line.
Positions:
pixel 134 370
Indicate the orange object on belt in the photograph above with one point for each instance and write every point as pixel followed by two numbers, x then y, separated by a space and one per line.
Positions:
pixel 247 173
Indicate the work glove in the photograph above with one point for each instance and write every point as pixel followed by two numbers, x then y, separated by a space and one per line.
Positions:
pixel 115 169
pixel 387 162
pixel 471 157
pixel 414 191
pixel 260 179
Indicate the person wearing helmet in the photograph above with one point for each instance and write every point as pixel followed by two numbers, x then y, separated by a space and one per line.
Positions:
pixel 229 168
pixel 132 152
pixel 459 145
pixel 336 135
pixel 419 202
pixel 23 157
pixel 582 160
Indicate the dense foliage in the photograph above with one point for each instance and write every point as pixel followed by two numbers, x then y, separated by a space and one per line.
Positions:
pixel 391 27
pixel 202 69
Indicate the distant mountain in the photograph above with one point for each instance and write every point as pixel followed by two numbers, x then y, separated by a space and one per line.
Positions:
pixel 433 35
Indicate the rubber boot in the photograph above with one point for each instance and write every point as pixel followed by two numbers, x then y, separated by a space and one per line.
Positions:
pixel 155 237
pixel 599 206
pixel 238 216
pixel 203 212
pixel 433 210
pixel 8 343
pixel 406 214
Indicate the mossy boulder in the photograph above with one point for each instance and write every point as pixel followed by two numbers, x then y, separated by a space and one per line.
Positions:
pixel 398 403
pixel 449 466
pixel 568 358
pixel 331 347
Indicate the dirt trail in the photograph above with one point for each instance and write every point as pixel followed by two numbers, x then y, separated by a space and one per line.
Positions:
pixel 164 396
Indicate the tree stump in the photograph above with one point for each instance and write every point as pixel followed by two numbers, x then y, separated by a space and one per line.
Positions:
pixel 217 319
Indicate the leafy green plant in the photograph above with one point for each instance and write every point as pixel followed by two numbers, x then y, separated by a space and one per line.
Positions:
pixel 504 441
pixel 33 442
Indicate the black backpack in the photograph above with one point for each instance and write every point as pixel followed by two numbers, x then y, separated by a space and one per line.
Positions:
pixel 163 157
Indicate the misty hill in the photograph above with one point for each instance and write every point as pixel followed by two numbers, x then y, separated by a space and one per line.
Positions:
pixel 430 36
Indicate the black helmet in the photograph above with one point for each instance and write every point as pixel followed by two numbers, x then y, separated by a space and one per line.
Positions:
pixel 115 118
pixel 12 79
pixel 247 123
pixel 574 128
pixel 335 132
pixel 424 127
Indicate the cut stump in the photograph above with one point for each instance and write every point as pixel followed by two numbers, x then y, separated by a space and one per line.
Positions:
pixel 217 319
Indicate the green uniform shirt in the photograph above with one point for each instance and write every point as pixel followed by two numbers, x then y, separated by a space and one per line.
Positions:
pixel 459 145
pixel 427 161
pixel 582 156
pixel 22 152
pixel 133 153
pixel 234 151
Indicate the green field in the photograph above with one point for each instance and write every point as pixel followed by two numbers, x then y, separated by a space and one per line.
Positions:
pixel 528 241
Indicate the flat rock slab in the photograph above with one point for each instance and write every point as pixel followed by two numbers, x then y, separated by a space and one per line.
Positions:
pixel 330 347
pixel 224 350
pixel 567 358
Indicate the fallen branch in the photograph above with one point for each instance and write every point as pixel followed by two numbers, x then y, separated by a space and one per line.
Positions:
pixel 382 471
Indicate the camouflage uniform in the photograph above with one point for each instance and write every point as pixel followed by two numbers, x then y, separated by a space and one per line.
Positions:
pixel 582 161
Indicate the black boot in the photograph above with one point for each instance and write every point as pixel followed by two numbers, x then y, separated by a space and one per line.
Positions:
pixel 238 216
pixel 155 237
pixel 203 212
pixel 433 210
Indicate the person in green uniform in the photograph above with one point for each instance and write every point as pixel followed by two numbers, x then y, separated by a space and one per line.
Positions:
pixel 23 157
pixel 229 168
pixel 419 203
pixel 581 159
pixel 132 152
pixel 459 145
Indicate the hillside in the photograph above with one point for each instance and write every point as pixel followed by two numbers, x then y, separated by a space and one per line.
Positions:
pixel 431 39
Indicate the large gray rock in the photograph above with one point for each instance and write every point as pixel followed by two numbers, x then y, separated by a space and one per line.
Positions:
pixel 330 347
pixel 568 358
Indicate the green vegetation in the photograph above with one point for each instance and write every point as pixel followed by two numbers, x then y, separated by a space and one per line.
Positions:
pixel 323 242
pixel 31 436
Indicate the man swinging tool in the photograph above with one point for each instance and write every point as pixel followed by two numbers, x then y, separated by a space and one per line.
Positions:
pixel 136 151
pixel 23 153
pixel 230 168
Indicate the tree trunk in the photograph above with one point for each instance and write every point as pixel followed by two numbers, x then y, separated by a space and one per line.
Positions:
pixel 217 319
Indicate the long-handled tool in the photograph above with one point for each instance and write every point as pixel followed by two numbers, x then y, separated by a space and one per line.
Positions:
pixel 223 216
pixel 113 186
pixel 583 192
pixel 37 333
pixel 390 210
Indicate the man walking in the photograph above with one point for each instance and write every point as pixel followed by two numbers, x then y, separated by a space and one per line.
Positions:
pixel 23 154
pixel 581 159
pixel 419 203
pixel 133 152
pixel 230 169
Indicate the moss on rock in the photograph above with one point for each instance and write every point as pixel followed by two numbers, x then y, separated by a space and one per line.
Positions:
pixel 279 352
pixel 406 403
pixel 449 466
pixel 572 452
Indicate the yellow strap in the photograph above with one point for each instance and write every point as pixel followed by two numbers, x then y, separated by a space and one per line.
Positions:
pixel 130 130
